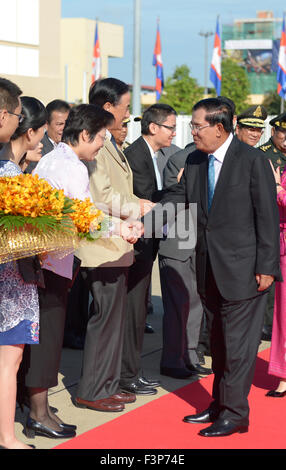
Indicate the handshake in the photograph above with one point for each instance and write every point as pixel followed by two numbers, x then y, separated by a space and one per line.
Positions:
pixel 131 230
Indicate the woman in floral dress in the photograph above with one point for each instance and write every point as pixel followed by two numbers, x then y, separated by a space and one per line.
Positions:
pixel 19 305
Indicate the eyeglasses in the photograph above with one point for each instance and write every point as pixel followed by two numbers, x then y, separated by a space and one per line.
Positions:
pixel 21 117
pixel 171 128
pixel 195 128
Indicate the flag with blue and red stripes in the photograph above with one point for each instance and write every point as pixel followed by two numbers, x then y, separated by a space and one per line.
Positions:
pixel 281 71
pixel 96 61
pixel 215 72
pixel 157 62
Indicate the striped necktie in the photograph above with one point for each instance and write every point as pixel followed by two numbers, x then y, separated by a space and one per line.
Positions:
pixel 211 180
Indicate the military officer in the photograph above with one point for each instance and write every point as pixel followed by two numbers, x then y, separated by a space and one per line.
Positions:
pixel 275 148
pixel 251 124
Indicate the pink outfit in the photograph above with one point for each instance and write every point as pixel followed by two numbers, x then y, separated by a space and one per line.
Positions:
pixel 277 364
pixel 63 170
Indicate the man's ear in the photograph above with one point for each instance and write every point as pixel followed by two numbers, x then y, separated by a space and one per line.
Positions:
pixel 3 114
pixel 107 106
pixel 153 128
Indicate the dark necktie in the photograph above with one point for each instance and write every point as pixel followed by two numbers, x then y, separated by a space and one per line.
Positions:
pixel 211 180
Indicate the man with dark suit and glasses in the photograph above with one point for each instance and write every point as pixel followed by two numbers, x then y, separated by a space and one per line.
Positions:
pixel 158 128
pixel 237 255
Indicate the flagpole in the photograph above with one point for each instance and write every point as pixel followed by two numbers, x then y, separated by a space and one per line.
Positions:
pixel 206 36
pixel 136 96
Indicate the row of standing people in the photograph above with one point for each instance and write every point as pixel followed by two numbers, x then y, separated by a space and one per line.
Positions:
pixel 112 374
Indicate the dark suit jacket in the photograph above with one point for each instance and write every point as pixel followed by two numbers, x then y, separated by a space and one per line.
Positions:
pixel 240 234
pixel 144 187
pixel 170 246
pixel 163 156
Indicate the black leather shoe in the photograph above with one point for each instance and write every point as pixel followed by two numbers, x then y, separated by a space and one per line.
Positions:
pixel 206 416
pixel 198 369
pixel 176 373
pixel 149 328
pixel 33 428
pixel 274 394
pixel 68 427
pixel 149 382
pixel 138 388
pixel 222 427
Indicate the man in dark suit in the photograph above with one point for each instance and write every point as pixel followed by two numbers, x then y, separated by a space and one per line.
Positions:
pixel 182 305
pixel 237 256
pixel 158 128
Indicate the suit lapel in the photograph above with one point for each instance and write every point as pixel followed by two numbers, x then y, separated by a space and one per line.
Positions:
pixel 117 155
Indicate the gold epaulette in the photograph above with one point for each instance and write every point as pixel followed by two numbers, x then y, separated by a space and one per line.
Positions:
pixel 265 147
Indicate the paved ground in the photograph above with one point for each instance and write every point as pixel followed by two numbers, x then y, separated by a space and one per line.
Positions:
pixel 85 420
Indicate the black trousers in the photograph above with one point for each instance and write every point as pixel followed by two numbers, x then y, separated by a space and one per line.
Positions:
pixel 41 362
pixel 235 332
pixel 104 335
pixel 139 279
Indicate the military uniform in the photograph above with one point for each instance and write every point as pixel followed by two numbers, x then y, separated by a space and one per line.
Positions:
pixel 271 152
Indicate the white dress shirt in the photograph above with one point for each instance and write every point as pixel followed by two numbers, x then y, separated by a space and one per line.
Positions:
pixel 219 155
pixel 154 156
pixel 63 170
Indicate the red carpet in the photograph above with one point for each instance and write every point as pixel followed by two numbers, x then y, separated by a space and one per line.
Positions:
pixel 158 425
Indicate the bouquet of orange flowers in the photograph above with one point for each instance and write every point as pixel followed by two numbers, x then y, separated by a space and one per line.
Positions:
pixel 37 218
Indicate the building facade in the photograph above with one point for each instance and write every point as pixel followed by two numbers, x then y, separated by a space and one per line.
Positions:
pixel 254 44
pixel 30 46
pixel 77 41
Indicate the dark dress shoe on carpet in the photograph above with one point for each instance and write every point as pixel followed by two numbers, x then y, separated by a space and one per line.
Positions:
pixel 33 428
pixel 222 427
pixel 105 404
pixel 274 394
pixel 71 427
pixel 198 369
pixel 149 328
pixel 206 416
pixel 138 388
pixel 124 397
pixel 149 382
pixel 176 373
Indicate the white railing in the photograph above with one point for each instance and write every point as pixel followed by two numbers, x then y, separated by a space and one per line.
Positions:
pixel 183 134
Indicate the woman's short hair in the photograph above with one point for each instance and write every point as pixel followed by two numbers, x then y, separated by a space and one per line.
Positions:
pixel 217 111
pixel 35 116
pixel 107 90
pixel 87 117
pixel 157 113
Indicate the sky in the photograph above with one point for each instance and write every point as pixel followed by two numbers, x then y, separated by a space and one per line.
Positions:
pixel 181 21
